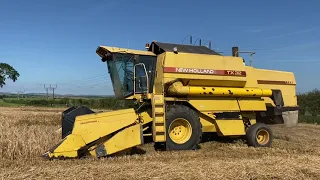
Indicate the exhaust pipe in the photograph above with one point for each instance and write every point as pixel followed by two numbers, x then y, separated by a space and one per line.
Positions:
pixel 235 51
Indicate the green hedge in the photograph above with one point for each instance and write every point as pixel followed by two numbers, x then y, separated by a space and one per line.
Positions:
pixel 309 102
pixel 105 103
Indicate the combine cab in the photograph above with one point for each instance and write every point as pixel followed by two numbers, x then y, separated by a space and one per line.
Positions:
pixel 183 91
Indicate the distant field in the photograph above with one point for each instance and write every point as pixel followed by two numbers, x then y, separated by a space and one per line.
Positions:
pixel 26 133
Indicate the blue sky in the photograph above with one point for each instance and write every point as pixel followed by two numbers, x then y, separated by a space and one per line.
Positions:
pixel 57 39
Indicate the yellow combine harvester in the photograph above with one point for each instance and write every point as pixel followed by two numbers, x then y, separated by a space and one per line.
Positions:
pixel 183 91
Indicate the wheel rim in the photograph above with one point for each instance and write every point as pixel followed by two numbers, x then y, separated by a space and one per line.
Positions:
pixel 263 137
pixel 180 131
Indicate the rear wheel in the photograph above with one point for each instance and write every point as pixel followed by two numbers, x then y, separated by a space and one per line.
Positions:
pixel 183 128
pixel 259 135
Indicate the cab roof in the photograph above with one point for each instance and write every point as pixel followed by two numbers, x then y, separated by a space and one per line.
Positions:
pixel 160 47
pixel 157 48
pixel 102 50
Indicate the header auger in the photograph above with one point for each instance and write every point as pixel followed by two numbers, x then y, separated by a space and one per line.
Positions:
pixel 183 91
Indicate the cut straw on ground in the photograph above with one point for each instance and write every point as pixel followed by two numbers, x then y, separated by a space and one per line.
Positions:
pixel 26 133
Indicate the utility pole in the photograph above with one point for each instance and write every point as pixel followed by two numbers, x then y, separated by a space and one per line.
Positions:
pixel 53 88
pixel 47 89
pixel 20 92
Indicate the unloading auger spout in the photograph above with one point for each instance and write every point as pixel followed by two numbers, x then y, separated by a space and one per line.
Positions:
pixel 86 133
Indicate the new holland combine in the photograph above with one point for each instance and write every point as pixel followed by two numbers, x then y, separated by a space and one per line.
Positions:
pixel 182 92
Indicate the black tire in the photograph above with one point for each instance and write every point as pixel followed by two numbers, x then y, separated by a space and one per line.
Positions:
pixel 159 146
pixel 179 111
pixel 252 132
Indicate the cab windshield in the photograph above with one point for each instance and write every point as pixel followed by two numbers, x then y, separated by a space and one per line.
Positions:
pixel 121 69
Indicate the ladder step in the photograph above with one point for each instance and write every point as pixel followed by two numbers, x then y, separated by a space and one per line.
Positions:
pixel 159 124
pixel 159 129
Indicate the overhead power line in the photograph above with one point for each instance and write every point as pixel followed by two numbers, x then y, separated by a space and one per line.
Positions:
pixel 53 87
pixel 102 76
pixel 85 84
pixel 20 92
pixel 47 89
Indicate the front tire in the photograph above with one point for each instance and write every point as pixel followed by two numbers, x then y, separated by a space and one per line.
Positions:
pixel 183 128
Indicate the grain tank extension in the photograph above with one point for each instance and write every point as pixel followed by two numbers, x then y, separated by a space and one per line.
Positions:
pixel 182 92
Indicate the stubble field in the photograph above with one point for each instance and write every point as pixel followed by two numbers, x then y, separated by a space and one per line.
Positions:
pixel 26 133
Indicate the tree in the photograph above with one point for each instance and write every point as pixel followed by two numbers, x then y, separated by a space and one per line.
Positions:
pixel 7 72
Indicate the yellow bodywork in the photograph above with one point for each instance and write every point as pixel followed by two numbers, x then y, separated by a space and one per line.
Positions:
pixel 190 61
pixel 177 88
pixel 229 127
pixel 130 137
pixel 237 75
pixel 211 85
pixel 97 130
